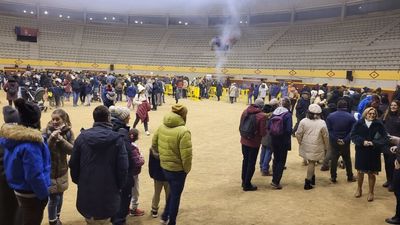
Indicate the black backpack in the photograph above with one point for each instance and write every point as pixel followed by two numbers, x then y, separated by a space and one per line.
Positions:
pixel 248 126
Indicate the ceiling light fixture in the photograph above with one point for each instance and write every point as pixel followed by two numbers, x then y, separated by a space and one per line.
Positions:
pixel 113 18
pixel 24 11
pixel 45 12
pixel 68 17
pixel 136 21
pixel 60 16
pixel 180 22
pixel 32 12
pixel 105 18
pixel 186 23
pixel 141 22
pixel 90 18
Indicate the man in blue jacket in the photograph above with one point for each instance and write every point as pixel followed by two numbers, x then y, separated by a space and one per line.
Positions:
pixel 339 126
pixel 99 166
pixel 27 162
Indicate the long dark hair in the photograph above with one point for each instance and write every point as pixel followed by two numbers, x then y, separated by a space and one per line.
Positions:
pixel 388 109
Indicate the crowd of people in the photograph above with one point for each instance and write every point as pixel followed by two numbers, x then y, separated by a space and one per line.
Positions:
pixel 104 163
pixel 34 166
pixel 328 120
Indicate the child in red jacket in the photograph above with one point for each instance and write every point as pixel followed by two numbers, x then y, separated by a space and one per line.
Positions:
pixel 139 161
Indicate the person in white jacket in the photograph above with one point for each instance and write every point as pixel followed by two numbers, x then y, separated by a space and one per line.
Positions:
pixel 313 138
pixel 142 114
pixel 262 91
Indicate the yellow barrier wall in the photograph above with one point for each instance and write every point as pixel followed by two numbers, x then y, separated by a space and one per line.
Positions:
pixel 357 74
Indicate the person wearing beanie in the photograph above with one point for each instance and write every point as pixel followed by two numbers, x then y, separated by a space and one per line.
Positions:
pixel 172 141
pixel 312 136
pixel 26 155
pixel 252 129
pixel 60 139
pixel 143 108
pixel 339 125
pixel 281 141
pixel 99 193
pixel 120 117
pixel 10 212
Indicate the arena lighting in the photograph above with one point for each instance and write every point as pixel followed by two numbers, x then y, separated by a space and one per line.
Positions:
pixel 141 22
pixel 241 22
pixel 136 21
pixel 186 23
pixel 60 16
pixel 180 22
pixel 68 17
pixel 24 11
pixel 113 18
pixel 90 18
pixel 32 12
pixel 45 12
pixel 105 18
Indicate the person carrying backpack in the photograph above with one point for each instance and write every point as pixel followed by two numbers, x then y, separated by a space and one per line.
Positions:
pixel 11 87
pixel 280 130
pixel 252 128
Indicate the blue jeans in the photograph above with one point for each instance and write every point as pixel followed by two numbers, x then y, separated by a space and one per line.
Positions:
pixel 176 181
pixel 54 207
pixel 75 96
pixel 265 158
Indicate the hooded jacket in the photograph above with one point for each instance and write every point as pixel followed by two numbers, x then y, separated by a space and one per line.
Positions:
pixel 284 141
pixel 99 166
pixel 26 160
pixel 174 144
pixel 261 118
pixel 59 149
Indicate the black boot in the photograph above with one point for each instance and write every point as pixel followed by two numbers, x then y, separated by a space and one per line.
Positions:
pixel 313 180
pixel 307 185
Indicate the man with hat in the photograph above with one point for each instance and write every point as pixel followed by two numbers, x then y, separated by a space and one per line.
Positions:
pixel 173 142
pixel 251 140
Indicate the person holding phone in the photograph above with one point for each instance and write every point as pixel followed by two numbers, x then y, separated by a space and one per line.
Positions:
pixel 60 139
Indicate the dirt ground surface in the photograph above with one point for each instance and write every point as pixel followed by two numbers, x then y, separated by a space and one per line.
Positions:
pixel 212 193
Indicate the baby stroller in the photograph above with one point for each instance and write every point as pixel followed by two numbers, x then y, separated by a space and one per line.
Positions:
pixel 34 94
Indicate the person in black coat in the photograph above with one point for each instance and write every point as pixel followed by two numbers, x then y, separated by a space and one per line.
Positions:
pixel 99 166
pixel 219 90
pixel 120 117
pixel 301 108
pixel 395 150
pixel 10 213
pixel 160 182
pixel 391 121
pixel 370 137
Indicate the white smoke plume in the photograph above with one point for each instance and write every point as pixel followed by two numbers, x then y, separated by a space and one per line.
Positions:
pixel 229 31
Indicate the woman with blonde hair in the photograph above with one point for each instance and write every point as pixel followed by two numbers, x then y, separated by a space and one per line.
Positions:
pixel 312 136
pixel 370 137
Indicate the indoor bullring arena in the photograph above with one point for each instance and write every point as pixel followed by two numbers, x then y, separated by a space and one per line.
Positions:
pixel 250 112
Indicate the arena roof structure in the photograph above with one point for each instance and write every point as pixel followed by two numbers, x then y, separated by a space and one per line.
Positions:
pixel 186 7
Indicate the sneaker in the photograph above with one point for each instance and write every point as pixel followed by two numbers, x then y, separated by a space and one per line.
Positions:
pixel 147 133
pixel 136 212
pixel 164 222
pixel 333 180
pixel 154 213
pixel 276 186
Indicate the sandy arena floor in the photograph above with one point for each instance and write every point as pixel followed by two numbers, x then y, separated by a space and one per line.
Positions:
pixel 213 194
